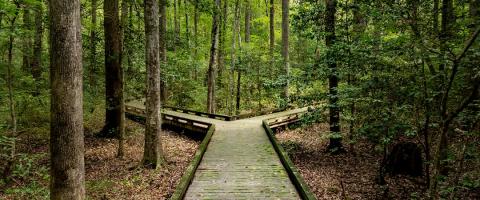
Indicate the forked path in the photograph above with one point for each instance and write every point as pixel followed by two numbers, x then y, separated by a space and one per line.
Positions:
pixel 240 162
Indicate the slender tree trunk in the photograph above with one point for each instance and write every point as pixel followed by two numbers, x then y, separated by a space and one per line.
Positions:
pixel 239 87
pixel 187 28
pixel 475 12
pixel 123 34
pixel 195 40
pixel 212 63
pixel 27 41
pixel 11 98
pixel 153 152
pixel 223 18
pixel 233 59
pixel 435 16
pixel 163 47
pixel 447 18
pixel 66 132
pixel 93 46
pixel 335 144
pixel 37 44
pixel 115 116
pixel 176 25
pixel 272 33
pixel 285 55
pixel 247 42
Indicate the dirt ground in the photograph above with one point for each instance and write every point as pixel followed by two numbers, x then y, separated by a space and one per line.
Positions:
pixel 107 177
pixel 349 175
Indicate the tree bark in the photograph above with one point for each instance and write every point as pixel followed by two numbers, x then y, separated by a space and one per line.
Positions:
pixel 223 18
pixel 153 152
pixel 11 98
pixel 285 55
pixel 66 133
pixel 335 144
pixel 233 59
pixel 474 12
pixel 176 25
pixel 435 16
pixel 445 32
pixel 272 33
pixel 212 63
pixel 27 41
pixel 163 46
pixel 123 32
pixel 93 45
pixel 37 44
pixel 114 116
pixel 195 39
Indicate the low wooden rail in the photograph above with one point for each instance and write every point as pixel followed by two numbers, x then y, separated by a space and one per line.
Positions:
pixel 203 114
pixel 139 115
pixel 284 120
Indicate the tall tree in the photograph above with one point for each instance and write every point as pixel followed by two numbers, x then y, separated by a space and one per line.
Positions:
pixel 335 144
pixel 233 57
pixel 37 44
pixel 93 45
pixel 11 98
pixel 123 51
pixel 27 40
pixel 195 39
pixel 114 117
pixel 272 32
pixel 153 152
pixel 212 64
pixel 66 133
pixel 223 18
pixel 176 25
pixel 285 55
pixel 163 46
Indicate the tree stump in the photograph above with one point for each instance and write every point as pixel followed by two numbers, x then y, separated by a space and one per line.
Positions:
pixel 405 158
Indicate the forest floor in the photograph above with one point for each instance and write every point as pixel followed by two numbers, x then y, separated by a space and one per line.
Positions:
pixel 348 175
pixel 107 177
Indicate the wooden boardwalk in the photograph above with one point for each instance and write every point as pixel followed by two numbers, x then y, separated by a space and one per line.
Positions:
pixel 240 162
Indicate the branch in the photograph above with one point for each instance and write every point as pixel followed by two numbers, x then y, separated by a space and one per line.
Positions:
pixel 468 44
pixel 465 102
pixel 456 63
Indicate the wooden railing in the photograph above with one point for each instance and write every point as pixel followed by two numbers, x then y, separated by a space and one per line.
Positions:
pixel 198 113
pixel 284 120
pixel 139 115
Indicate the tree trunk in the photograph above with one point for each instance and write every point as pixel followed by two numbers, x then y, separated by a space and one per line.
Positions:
pixel 247 42
pixel 93 46
pixel 123 33
pixel 435 16
pixel 212 63
pixel 115 117
pixel 223 18
pixel 27 41
pixel 475 12
pixel 195 39
pixel 187 28
pixel 66 133
pixel 176 25
pixel 233 59
pixel 272 33
pixel 285 55
pixel 153 152
pixel 445 32
pixel 163 46
pixel 335 144
pixel 37 44
pixel 11 98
